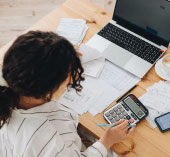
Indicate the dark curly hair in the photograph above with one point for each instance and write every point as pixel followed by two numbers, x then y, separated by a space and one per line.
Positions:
pixel 35 65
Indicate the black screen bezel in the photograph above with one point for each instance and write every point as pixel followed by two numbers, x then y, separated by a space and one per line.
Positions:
pixel 157 123
pixel 138 30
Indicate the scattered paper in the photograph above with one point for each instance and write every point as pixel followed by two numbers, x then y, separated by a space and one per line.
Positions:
pixel 94 68
pixel 92 60
pixel 95 97
pixel 72 29
pixel 118 78
pixel 99 93
pixel 89 53
pixel 79 101
pixel 157 100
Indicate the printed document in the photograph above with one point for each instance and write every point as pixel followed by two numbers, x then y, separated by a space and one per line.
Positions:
pixel 157 100
pixel 92 60
pixel 72 29
pixel 99 93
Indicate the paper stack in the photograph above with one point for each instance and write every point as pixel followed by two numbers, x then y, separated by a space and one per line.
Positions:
pixel 157 100
pixel 94 97
pixel 99 92
pixel 72 29
pixel 92 61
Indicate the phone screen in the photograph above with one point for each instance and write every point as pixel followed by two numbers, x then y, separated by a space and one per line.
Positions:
pixel 163 122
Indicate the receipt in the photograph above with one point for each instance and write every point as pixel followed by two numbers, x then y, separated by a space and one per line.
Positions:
pixel 72 29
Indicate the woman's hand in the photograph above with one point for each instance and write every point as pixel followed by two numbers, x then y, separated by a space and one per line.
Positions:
pixel 116 134
pixel 79 54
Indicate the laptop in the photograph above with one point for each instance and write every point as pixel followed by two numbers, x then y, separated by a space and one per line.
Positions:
pixel 137 36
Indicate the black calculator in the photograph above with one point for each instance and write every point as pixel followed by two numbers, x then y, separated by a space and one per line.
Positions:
pixel 129 108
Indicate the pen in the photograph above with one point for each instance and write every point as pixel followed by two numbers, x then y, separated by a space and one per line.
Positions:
pixel 112 125
pixel 126 93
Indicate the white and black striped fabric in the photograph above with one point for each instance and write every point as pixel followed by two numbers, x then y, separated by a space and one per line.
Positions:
pixel 49 130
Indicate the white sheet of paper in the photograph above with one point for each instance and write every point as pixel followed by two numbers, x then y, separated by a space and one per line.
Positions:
pixel 106 95
pixel 88 99
pixel 99 91
pixel 72 29
pixel 118 78
pixel 94 68
pixel 89 53
pixel 82 36
pixel 77 41
pixel 112 89
pixel 157 100
pixel 79 102
pixel 151 117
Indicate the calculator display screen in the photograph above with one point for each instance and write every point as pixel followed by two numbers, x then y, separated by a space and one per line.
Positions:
pixel 134 107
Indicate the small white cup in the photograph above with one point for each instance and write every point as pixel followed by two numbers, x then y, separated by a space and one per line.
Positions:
pixel 165 64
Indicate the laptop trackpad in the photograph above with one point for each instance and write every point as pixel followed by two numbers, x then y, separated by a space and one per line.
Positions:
pixel 117 55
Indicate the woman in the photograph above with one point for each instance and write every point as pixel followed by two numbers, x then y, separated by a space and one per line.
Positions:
pixel 32 124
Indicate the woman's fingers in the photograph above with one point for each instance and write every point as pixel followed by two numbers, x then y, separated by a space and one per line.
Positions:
pixel 79 54
pixel 122 124
pixel 120 121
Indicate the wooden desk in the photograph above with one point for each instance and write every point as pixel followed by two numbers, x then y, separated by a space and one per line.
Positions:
pixel 145 141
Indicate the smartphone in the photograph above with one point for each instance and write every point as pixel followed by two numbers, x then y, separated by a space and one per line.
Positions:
pixel 163 122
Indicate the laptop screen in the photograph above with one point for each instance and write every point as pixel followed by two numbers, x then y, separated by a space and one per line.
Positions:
pixel 149 18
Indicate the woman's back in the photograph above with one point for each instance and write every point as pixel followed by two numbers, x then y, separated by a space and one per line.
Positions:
pixel 45 130
pixel 31 125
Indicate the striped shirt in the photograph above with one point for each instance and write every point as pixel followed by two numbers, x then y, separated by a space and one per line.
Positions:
pixel 49 130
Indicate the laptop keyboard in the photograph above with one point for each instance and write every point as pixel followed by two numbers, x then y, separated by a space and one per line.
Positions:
pixel 131 43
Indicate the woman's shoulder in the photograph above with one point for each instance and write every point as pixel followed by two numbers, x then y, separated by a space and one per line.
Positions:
pixel 32 118
pixel 31 134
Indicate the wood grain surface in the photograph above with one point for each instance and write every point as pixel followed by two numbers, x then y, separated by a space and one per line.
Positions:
pixel 18 15
pixel 145 141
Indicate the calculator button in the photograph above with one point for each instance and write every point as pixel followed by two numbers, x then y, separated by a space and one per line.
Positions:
pixel 114 115
pixel 133 116
pixel 119 106
pixel 131 120
pixel 123 104
pixel 113 120
pixel 126 108
pixel 115 109
pixel 107 114
pixel 117 118
pixel 118 112
pixel 121 116
pixel 125 113
pixel 128 117
pixel 111 111
pixel 122 110
pixel 110 117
